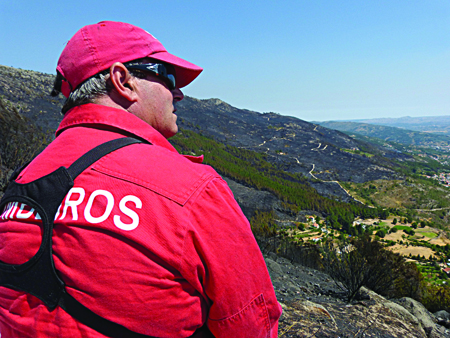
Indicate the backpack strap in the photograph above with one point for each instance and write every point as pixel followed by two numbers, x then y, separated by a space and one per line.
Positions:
pixel 69 303
pixel 94 321
pixel 97 153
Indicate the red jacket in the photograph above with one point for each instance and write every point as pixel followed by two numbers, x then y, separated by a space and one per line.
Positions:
pixel 147 238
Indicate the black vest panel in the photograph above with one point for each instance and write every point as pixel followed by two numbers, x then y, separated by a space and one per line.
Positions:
pixel 38 276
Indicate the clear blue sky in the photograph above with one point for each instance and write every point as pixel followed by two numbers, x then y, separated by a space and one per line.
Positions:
pixel 313 59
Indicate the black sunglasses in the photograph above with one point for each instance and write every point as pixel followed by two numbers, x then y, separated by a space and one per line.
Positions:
pixel 159 70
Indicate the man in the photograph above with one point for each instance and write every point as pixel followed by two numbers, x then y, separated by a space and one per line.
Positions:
pixel 148 239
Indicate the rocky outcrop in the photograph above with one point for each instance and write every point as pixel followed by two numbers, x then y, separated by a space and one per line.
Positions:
pixel 427 320
pixel 313 306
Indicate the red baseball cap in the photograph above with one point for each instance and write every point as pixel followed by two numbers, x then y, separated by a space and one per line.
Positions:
pixel 95 48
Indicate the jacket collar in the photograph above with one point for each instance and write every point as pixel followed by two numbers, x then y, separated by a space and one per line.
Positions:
pixel 117 120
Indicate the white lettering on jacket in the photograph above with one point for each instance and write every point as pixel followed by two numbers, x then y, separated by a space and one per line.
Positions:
pixel 22 215
pixel 11 208
pixel 109 206
pixel 130 213
pixel 72 202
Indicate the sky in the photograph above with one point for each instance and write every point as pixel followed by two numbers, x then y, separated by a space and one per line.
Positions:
pixel 316 60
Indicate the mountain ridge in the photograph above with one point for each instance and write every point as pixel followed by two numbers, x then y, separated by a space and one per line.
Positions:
pixel 431 124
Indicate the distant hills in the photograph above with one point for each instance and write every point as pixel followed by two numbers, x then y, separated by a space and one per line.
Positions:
pixel 292 144
pixel 392 134
pixel 429 124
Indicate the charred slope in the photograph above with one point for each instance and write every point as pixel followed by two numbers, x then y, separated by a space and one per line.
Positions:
pixel 30 91
pixel 294 145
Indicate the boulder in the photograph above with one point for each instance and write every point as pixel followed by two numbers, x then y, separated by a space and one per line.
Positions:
pixel 405 315
pixel 443 318
pixel 426 318
pixel 274 268
pixel 442 315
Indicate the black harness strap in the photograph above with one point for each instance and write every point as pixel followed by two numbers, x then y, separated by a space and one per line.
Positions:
pixel 94 321
pixel 97 153
pixel 38 276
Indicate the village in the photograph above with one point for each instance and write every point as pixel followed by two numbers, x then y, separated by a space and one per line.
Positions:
pixel 428 247
pixel 443 178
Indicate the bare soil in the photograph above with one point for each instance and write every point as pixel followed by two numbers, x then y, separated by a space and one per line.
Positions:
pixel 413 250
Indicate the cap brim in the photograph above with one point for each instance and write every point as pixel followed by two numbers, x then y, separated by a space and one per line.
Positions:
pixel 185 71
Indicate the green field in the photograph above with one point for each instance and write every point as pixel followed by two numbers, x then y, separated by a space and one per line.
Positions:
pixel 428 234
pixel 401 227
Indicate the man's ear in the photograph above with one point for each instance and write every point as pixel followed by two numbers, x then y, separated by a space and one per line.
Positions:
pixel 122 82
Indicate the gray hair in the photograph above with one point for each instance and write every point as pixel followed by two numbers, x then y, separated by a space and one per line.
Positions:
pixel 93 88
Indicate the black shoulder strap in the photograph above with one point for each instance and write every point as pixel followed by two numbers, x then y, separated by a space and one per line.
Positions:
pixel 97 153
pixel 38 275
pixel 94 321
pixel 67 302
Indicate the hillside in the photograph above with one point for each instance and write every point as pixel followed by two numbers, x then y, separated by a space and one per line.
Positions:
pixel 292 144
pixel 299 184
pixel 29 91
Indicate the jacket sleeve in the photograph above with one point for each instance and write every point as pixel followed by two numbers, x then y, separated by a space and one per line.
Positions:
pixel 222 260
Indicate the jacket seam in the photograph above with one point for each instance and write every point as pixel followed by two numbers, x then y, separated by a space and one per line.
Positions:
pixel 257 300
pixel 193 200
pixel 237 313
pixel 182 200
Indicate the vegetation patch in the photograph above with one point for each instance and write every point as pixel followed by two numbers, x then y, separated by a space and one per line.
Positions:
pixel 401 227
pixel 429 234
pixel 253 169
pixel 358 152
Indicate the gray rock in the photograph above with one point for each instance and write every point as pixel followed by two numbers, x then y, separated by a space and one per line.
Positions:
pixel 442 314
pixel 274 268
pixel 292 288
pixel 426 318
pixel 284 261
pixel 397 308
pixel 273 256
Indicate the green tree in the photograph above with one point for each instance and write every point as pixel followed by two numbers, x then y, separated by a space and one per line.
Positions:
pixel 381 233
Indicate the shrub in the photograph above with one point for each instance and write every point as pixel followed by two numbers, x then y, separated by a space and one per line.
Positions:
pixel 436 297
pixel 361 261
pixel 381 233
